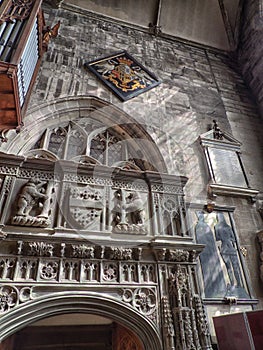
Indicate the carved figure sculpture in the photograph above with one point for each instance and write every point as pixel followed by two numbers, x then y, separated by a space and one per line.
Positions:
pixel 49 33
pixel 30 197
pixel 134 207
pixel 128 212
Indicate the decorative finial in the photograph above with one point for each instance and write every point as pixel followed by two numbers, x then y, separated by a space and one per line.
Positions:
pixel 218 134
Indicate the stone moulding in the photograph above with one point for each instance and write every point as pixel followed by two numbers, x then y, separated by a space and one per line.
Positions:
pixel 83 302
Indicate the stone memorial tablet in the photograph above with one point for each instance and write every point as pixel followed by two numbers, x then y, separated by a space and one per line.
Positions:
pixel 227 168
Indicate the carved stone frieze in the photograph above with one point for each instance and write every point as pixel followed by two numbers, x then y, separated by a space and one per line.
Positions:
pixel 40 249
pixel 176 255
pixel 167 189
pixel 68 250
pixel 82 251
pixel 8 170
pixel 120 253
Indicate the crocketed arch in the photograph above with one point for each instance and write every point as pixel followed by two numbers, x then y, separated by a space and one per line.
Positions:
pixel 112 122
pixel 80 302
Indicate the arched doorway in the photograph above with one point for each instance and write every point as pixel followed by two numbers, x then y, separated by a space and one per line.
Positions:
pixel 75 332
pixel 113 325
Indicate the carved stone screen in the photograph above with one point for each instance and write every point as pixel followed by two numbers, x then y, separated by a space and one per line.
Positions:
pixel 226 167
pixel 220 262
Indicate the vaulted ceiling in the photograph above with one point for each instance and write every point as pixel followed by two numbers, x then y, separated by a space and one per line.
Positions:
pixel 211 22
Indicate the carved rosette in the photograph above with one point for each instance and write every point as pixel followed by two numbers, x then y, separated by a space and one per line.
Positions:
pixel 8 298
pixel 110 272
pixel 143 299
pixel 49 270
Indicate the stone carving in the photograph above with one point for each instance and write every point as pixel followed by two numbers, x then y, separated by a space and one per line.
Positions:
pixel 202 323
pixel 128 212
pixel 176 255
pixel 217 133
pixel 85 206
pixel 49 270
pixel 32 205
pixel 143 299
pixel 170 211
pixel 71 270
pixel 8 298
pixel 7 268
pixel 129 273
pixel 110 272
pixel 82 251
pixel 91 271
pixel 118 253
pixel 168 327
pixel 27 269
pixel 147 273
pixel 184 313
pixel 41 249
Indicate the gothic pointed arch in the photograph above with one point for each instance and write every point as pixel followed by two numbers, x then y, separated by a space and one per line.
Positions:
pixel 80 302
pixel 87 128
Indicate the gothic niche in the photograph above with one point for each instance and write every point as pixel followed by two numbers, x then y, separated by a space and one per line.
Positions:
pixel 128 213
pixel 33 204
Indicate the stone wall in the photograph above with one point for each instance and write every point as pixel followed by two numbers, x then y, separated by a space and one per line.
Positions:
pixel 251 48
pixel 198 85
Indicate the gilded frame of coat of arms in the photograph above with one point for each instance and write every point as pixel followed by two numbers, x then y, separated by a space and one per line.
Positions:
pixel 125 76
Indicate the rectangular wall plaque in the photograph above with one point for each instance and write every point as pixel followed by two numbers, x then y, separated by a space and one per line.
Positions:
pixel 125 76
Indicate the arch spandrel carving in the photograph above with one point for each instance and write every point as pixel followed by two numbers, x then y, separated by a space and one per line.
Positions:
pixel 81 302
